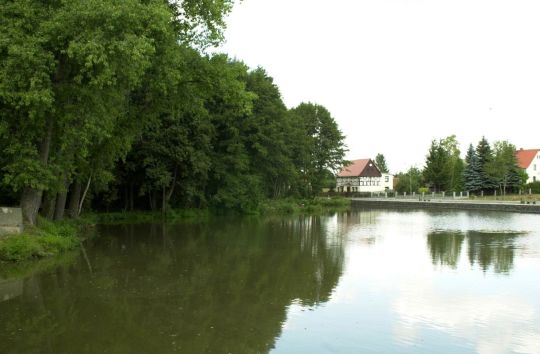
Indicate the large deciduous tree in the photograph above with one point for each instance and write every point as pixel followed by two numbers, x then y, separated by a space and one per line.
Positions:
pixel 68 71
pixel 319 145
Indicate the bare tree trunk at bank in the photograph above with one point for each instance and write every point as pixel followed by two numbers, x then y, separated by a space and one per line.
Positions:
pixel 74 199
pixel 81 203
pixel 61 203
pixel 49 204
pixel 31 197
pixel 30 203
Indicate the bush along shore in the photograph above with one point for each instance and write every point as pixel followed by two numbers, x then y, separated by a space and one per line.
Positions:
pixel 49 238
pixel 43 240
pixel 305 206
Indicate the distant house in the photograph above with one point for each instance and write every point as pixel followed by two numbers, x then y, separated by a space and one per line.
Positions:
pixel 363 176
pixel 529 160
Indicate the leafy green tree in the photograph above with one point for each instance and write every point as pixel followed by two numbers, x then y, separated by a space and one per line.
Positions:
pixel 267 136
pixel 409 181
pixel 67 74
pixel 455 164
pixel 320 146
pixel 503 168
pixel 380 161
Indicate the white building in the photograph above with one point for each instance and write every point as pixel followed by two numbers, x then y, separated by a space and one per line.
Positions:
pixel 363 176
pixel 529 160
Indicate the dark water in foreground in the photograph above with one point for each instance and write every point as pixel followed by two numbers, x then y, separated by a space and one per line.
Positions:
pixel 357 282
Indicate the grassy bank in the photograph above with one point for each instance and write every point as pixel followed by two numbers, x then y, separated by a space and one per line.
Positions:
pixel 44 240
pixel 133 217
pixel 305 206
pixel 277 206
pixel 510 197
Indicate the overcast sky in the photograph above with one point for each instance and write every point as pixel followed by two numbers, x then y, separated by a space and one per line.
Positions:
pixel 396 74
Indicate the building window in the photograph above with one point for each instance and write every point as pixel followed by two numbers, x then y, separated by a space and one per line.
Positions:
pixel 534 167
pixel 534 178
pixel 386 178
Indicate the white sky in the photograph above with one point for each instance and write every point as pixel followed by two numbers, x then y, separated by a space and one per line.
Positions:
pixel 396 74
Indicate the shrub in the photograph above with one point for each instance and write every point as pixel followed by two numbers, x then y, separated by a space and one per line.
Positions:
pixel 534 187
pixel 47 239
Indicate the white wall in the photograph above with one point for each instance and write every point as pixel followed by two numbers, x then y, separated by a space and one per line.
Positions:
pixel 532 171
pixel 366 184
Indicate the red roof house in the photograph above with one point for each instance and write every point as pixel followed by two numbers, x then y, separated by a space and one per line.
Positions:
pixel 529 160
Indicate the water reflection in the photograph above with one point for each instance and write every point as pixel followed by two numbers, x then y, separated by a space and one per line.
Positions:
pixel 486 249
pixel 218 287
pixel 445 247
pixel 492 249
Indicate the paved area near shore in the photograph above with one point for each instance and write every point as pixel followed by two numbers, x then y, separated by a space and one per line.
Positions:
pixel 441 200
pixel 450 203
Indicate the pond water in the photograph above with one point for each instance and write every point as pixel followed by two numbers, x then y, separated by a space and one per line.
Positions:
pixel 365 281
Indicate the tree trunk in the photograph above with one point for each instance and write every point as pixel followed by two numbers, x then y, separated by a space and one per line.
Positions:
pixel 131 196
pixel 81 203
pixel 163 201
pixel 61 203
pixel 74 200
pixel 30 203
pixel 152 197
pixel 31 197
pixel 49 203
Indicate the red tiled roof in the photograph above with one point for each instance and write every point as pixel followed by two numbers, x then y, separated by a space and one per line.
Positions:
pixel 525 157
pixel 354 169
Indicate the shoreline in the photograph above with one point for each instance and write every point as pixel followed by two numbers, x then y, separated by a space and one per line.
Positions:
pixel 505 206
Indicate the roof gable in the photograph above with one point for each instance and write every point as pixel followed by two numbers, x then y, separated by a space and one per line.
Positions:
pixel 526 157
pixel 360 168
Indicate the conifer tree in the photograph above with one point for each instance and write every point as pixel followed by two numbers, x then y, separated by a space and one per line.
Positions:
pixel 485 157
pixel 472 172
pixel 380 161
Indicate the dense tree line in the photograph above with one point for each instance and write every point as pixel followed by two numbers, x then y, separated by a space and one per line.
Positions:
pixel 486 168
pixel 116 104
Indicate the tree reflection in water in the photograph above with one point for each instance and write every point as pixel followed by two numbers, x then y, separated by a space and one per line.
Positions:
pixel 200 288
pixel 487 249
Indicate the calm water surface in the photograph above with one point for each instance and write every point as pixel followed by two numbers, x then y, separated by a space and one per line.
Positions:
pixel 376 281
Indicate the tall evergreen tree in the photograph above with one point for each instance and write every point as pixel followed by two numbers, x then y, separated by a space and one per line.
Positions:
pixel 436 172
pixel 380 161
pixel 472 172
pixel 485 157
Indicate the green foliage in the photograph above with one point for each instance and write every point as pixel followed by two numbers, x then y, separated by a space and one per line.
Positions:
pixel 299 206
pixel 503 168
pixel 380 161
pixel 409 181
pixel 45 240
pixel 534 187
pixel 472 174
pixel 320 146
pixel 436 171
pixel 117 96
pixel 484 154
pixel 444 167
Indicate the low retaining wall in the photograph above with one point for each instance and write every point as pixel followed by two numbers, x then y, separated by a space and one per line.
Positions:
pixel 457 205
pixel 10 221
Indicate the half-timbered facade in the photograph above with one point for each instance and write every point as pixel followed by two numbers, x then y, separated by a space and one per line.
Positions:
pixel 363 176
